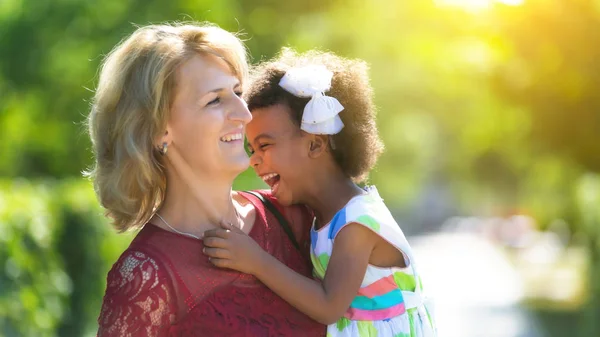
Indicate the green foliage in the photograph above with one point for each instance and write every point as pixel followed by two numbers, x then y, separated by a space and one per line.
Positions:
pixel 55 251
pixel 553 72
pixel 498 108
pixel 55 48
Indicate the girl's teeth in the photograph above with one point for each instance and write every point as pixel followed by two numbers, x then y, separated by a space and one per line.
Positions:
pixel 269 176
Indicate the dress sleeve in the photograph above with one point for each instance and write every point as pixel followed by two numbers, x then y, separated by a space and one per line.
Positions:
pixel 139 299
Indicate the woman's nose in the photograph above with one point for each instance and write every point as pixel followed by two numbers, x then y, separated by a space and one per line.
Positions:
pixel 239 111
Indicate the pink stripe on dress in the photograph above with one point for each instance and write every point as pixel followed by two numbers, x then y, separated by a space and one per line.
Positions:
pixel 375 315
pixel 379 287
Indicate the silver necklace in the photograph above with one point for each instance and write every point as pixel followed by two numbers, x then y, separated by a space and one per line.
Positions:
pixel 175 230
pixel 237 215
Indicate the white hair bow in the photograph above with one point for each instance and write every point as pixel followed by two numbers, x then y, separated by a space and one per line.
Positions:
pixel 321 113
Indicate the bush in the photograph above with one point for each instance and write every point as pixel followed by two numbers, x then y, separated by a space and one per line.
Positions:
pixel 55 250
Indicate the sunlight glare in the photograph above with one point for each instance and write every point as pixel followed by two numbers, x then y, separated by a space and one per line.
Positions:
pixel 477 5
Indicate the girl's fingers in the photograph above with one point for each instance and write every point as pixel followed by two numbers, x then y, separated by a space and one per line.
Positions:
pixel 218 253
pixel 221 263
pixel 214 242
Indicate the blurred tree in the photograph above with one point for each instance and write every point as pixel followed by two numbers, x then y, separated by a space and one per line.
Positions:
pixel 484 113
pixel 56 248
pixel 55 251
pixel 554 72
pixel 55 48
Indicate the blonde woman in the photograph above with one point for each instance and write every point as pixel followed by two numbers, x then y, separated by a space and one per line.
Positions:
pixel 167 127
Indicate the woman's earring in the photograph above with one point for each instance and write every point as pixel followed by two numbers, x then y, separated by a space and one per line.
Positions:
pixel 163 149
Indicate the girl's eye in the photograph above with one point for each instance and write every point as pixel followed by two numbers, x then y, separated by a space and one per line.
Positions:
pixel 239 93
pixel 251 151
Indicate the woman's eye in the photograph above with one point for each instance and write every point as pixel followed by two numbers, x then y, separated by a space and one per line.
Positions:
pixel 263 146
pixel 248 148
pixel 214 101
pixel 239 93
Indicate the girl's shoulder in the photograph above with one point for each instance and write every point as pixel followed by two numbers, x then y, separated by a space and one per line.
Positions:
pixel 368 210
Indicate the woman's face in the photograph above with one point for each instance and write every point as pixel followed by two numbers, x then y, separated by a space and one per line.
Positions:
pixel 279 153
pixel 208 118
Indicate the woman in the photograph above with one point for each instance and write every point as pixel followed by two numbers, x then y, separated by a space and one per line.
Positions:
pixel 167 127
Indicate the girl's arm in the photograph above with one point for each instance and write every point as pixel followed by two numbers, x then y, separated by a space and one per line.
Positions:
pixel 324 302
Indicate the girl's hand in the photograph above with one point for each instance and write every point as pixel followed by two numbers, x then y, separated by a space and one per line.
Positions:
pixel 229 247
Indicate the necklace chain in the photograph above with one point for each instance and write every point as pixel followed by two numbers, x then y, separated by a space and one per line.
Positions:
pixel 175 230
pixel 237 215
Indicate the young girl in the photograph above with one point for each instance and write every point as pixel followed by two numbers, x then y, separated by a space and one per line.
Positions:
pixel 313 137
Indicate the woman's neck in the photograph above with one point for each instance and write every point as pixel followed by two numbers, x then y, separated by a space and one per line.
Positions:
pixel 193 205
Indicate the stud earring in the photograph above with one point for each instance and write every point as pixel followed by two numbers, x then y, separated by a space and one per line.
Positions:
pixel 163 149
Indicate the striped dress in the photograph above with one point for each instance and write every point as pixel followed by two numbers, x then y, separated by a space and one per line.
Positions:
pixel 389 301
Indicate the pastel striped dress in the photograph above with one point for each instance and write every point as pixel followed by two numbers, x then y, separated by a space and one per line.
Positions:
pixel 389 301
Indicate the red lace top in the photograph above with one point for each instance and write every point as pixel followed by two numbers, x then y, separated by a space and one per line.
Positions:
pixel 163 285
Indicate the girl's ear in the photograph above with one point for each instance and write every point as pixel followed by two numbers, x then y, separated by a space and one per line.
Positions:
pixel 317 145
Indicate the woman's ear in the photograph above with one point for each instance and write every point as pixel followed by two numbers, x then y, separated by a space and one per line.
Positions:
pixel 163 141
pixel 166 136
pixel 318 145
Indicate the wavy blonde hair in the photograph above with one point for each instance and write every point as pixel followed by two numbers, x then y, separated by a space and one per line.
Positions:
pixel 131 107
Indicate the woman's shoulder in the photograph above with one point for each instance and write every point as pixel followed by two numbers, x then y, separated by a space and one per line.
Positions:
pixel 140 260
pixel 133 264
pixel 134 281
pixel 268 195
pixel 299 217
pixel 244 195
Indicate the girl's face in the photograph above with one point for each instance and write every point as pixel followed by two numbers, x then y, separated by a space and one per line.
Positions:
pixel 279 153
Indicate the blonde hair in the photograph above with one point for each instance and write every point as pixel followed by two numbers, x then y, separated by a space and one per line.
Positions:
pixel 131 107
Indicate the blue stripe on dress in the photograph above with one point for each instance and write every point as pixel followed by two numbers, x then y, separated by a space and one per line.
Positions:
pixel 338 221
pixel 314 236
pixel 385 301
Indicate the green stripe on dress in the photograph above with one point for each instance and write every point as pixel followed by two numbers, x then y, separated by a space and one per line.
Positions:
pixel 411 313
pixel 402 334
pixel 319 269
pixel 366 329
pixel 342 323
pixel 404 281
pixel 369 221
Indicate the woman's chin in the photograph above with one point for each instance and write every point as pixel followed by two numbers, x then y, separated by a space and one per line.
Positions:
pixel 239 164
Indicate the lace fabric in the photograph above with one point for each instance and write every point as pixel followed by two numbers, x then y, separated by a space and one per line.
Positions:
pixel 138 300
pixel 164 286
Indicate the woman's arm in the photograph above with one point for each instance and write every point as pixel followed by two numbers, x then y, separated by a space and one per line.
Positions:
pixel 325 302
pixel 138 299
